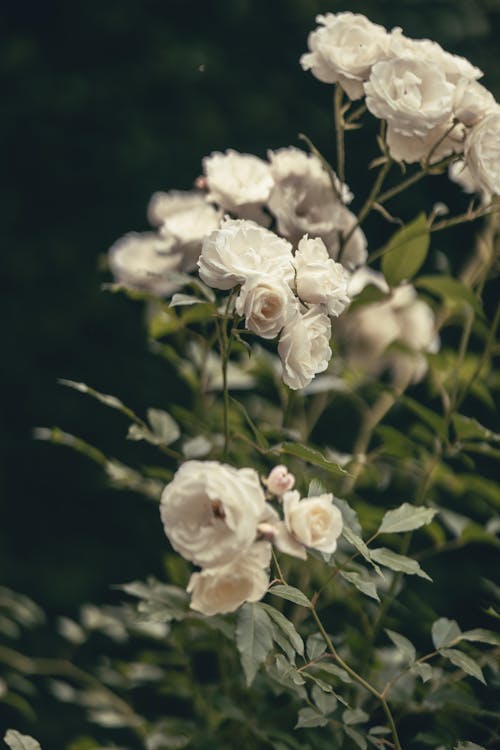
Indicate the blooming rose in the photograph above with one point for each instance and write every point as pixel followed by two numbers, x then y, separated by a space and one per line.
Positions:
pixel 319 279
pixel 344 49
pixel 482 153
pixel 239 183
pixel 439 142
pixel 293 161
pixel 304 347
pixel 145 262
pixel 267 304
pixel 313 521
pixel 279 480
pixel 223 589
pixel 472 101
pixel 185 215
pixel 210 511
pixel 411 94
pixel 241 249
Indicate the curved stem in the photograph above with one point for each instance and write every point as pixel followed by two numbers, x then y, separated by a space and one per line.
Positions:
pixel 339 131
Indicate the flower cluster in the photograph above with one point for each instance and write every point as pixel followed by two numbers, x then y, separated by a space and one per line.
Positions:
pixel 219 518
pixel 430 99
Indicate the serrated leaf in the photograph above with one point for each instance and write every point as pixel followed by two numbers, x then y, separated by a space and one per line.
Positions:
pixel 288 670
pixel 330 668
pixel 354 716
pixel 399 563
pixel 253 638
pixel 326 702
pixel 480 635
pixel 17 741
pixel 423 670
pixel 362 583
pixel 463 662
pixel 291 594
pixel 312 456
pixel 315 646
pixel 286 626
pixel 444 632
pixel 361 547
pixel 406 251
pixel 405 518
pixel 164 426
pixel 403 645
pixel 309 717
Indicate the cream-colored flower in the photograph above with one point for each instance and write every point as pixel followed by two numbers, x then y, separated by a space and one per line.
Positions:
pixel 482 153
pixel 185 215
pixel 239 183
pixel 411 94
pixel 304 347
pixel 439 142
pixel 279 480
pixel 224 589
pixel 240 250
pixel 290 160
pixel 146 262
pixel 210 511
pixel 313 521
pixel 267 304
pixel 472 101
pixel 344 49
pixel 319 279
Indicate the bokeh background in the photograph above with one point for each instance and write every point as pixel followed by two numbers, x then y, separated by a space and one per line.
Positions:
pixel 104 102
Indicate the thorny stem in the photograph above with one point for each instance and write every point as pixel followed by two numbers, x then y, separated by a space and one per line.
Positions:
pixel 357 678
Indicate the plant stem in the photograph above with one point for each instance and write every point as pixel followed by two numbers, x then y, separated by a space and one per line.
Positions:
pixel 339 131
pixel 369 203
pixel 357 678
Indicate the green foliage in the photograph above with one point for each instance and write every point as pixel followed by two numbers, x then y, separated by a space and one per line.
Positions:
pixel 406 251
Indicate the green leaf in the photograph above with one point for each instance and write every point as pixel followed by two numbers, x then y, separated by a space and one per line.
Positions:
pixel 368 296
pixel 463 662
pixel 406 251
pixel 429 417
pixel 354 716
pixel 468 428
pixel 179 300
pixel 315 646
pixel 480 635
pixel 361 547
pixel 17 741
pixel 468 746
pixel 423 670
pixel 309 717
pixel 312 456
pixel 405 518
pixel 286 626
pixel 445 632
pixel 159 602
pixel 164 426
pixel 403 645
pixel 362 583
pixel 288 671
pixel 326 702
pixel 400 563
pixel 330 668
pixel 104 398
pixel 291 594
pixel 253 638
pixel 356 737
pixel 450 290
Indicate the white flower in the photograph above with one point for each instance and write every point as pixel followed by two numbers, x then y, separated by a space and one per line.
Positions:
pixel 472 101
pixel 241 249
pixel 267 303
pixel 239 183
pixel 185 215
pixel 344 49
pixel 279 480
pixel 313 521
pixel 304 347
pixel 482 153
pixel 304 202
pixel 210 511
pixel 367 332
pixel 411 94
pixel 458 172
pixel 439 142
pixel 319 279
pixel 145 262
pixel 223 589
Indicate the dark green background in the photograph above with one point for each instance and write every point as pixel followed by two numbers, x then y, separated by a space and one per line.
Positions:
pixel 103 103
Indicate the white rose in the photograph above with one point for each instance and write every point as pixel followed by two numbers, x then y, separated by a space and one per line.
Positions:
pixel 472 101
pixel 223 589
pixel 439 142
pixel 412 95
pixel 239 183
pixel 482 153
pixel 288 161
pixel 304 347
pixel 344 49
pixel 319 279
pixel 279 480
pixel 185 215
pixel 210 511
pixel 241 249
pixel 267 304
pixel 459 173
pixel 313 521
pixel 145 262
